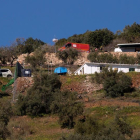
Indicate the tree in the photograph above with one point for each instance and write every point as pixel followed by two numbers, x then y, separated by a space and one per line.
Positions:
pixel 76 38
pixel 100 37
pixel 32 44
pixel 68 55
pixel 37 59
pixel 61 42
pixel 12 54
pixel 67 107
pixel 40 96
pixel 114 83
pixel 117 85
pixel 3 55
pixel 131 33
pixel 29 45
pixel 93 57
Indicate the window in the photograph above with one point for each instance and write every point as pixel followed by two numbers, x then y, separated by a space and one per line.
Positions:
pixel 3 70
pixel 68 45
pixel 131 69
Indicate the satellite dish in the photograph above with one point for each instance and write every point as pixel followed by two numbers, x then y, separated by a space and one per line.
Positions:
pixel 55 40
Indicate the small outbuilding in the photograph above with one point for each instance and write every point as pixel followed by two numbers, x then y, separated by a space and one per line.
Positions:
pixel 91 68
pixel 60 70
pixel 128 47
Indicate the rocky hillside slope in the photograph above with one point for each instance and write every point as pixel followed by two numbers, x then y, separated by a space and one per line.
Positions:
pixel 51 57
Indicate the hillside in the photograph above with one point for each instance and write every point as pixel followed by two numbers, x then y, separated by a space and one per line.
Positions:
pixel 92 95
pixel 48 128
pixel 51 57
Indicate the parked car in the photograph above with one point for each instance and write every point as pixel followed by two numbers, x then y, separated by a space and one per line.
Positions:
pixel 5 73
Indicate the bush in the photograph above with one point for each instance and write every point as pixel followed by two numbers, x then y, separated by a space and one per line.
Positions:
pixel 37 59
pixel 114 83
pixel 109 58
pixel 122 125
pixel 68 56
pixel 5 114
pixel 109 133
pixel 117 85
pixel 39 96
pixel 124 59
pixel 87 126
pixel 68 108
pixel 93 57
pixel 102 57
pixel 90 129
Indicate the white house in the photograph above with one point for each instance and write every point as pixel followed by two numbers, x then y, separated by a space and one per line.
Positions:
pixel 91 68
pixel 128 47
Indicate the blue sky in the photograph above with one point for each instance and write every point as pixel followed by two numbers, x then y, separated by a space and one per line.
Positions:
pixel 46 19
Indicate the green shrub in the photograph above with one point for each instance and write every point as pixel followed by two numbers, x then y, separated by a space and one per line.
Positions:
pixel 102 57
pixel 117 85
pixel 5 114
pixel 109 58
pixel 114 83
pixel 124 59
pixel 68 56
pixel 68 108
pixel 93 56
pixel 109 133
pixel 87 126
pixel 123 125
pixel 90 129
pixel 39 97
pixel 37 59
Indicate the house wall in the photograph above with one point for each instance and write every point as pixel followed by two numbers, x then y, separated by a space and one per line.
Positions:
pixel 125 69
pixel 91 69
pixel 81 70
pixel 137 69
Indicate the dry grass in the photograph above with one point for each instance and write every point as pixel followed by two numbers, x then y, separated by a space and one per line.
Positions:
pixel 44 128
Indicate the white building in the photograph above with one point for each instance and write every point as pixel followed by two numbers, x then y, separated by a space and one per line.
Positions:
pixel 128 47
pixel 91 68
